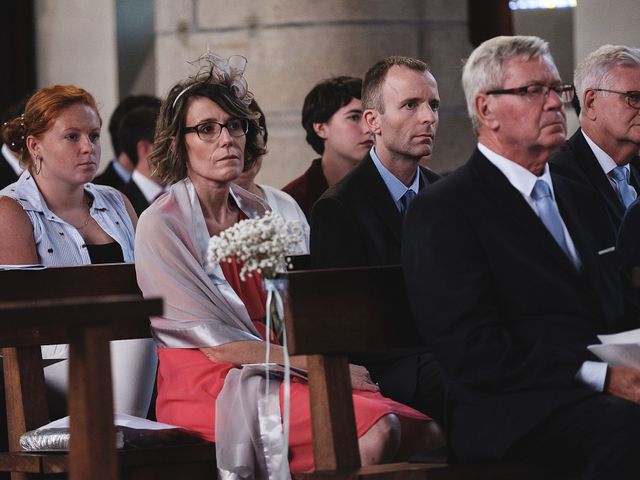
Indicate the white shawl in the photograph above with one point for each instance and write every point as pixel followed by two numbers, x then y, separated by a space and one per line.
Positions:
pixel 201 309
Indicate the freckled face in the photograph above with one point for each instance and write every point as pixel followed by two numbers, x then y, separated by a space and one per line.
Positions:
pixel 70 148
pixel 219 161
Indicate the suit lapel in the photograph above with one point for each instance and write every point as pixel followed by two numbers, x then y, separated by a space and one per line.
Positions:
pixel 577 211
pixel 592 169
pixel 507 198
pixel 380 197
pixel 635 173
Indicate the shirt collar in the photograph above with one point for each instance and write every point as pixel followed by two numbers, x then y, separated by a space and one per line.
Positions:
pixel 148 187
pixel 30 198
pixel 519 177
pixel 604 159
pixel 122 172
pixel 396 188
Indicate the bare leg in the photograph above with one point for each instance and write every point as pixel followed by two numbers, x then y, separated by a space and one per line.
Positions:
pixel 380 443
pixel 418 437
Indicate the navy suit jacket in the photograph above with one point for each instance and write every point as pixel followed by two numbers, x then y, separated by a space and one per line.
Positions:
pixel 136 197
pixel 577 161
pixel 356 223
pixel 110 177
pixel 504 310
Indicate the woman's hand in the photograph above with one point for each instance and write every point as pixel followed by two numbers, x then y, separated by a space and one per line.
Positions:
pixel 361 380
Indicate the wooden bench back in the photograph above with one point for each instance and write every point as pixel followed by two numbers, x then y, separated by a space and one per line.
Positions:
pixel 348 310
pixel 60 282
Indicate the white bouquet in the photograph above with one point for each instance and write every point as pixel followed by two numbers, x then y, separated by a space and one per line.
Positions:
pixel 262 244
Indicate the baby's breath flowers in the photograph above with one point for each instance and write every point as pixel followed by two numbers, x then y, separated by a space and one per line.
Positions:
pixel 261 243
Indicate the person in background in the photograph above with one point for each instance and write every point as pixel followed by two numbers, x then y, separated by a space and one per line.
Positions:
pixel 135 136
pixel 603 153
pixel 52 215
pixel 118 172
pixel 336 130
pixel 279 201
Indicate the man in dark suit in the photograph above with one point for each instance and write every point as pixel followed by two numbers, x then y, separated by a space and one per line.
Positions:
pixel 603 153
pixel 510 283
pixel 135 136
pixel 119 170
pixel 357 222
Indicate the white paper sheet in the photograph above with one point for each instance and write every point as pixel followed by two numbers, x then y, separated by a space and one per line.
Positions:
pixel 619 349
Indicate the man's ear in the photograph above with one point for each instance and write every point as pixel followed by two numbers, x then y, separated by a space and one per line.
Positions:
pixel 372 119
pixel 486 111
pixel 589 109
pixel 321 130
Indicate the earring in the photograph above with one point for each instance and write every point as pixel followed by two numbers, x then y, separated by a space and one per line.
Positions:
pixel 38 164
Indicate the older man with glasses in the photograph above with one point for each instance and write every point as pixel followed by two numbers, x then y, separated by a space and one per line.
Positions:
pixel 510 283
pixel 603 153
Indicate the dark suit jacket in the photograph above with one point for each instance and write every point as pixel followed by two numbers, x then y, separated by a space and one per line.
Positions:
pixel 136 197
pixel 110 177
pixel 356 223
pixel 504 310
pixel 577 161
pixel 7 174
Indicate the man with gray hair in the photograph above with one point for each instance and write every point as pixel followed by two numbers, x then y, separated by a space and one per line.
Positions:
pixel 603 153
pixel 510 283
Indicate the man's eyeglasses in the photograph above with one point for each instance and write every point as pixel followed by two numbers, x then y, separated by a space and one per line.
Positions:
pixel 633 96
pixel 210 131
pixel 565 91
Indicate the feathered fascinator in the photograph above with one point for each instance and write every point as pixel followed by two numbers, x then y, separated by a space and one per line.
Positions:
pixel 214 69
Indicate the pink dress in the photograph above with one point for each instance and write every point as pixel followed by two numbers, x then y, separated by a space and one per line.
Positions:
pixel 189 383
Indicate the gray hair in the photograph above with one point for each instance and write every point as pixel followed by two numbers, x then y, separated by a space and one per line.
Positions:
pixel 595 70
pixel 484 69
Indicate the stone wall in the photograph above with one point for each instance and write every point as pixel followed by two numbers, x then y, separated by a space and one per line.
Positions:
pixel 292 44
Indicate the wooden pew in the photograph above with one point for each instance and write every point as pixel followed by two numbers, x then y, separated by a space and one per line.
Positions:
pixel 331 312
pixel 86 307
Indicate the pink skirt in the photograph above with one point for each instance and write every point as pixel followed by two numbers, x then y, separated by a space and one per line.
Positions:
pixel 189 383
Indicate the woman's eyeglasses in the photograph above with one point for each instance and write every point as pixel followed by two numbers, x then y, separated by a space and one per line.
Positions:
pixel 209 131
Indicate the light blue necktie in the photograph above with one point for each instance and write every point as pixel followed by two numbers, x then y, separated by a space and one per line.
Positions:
pixel 620 175
pixel 549 214
pixel 406 199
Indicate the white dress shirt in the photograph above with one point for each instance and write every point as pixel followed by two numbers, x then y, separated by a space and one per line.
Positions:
pixel 593 374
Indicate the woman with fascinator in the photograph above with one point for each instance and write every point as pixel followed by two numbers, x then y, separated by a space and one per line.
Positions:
pixel 213 323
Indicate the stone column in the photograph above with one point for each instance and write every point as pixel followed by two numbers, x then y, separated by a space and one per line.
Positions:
pixel 76 43
pixel 598 23
pixel 292 44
